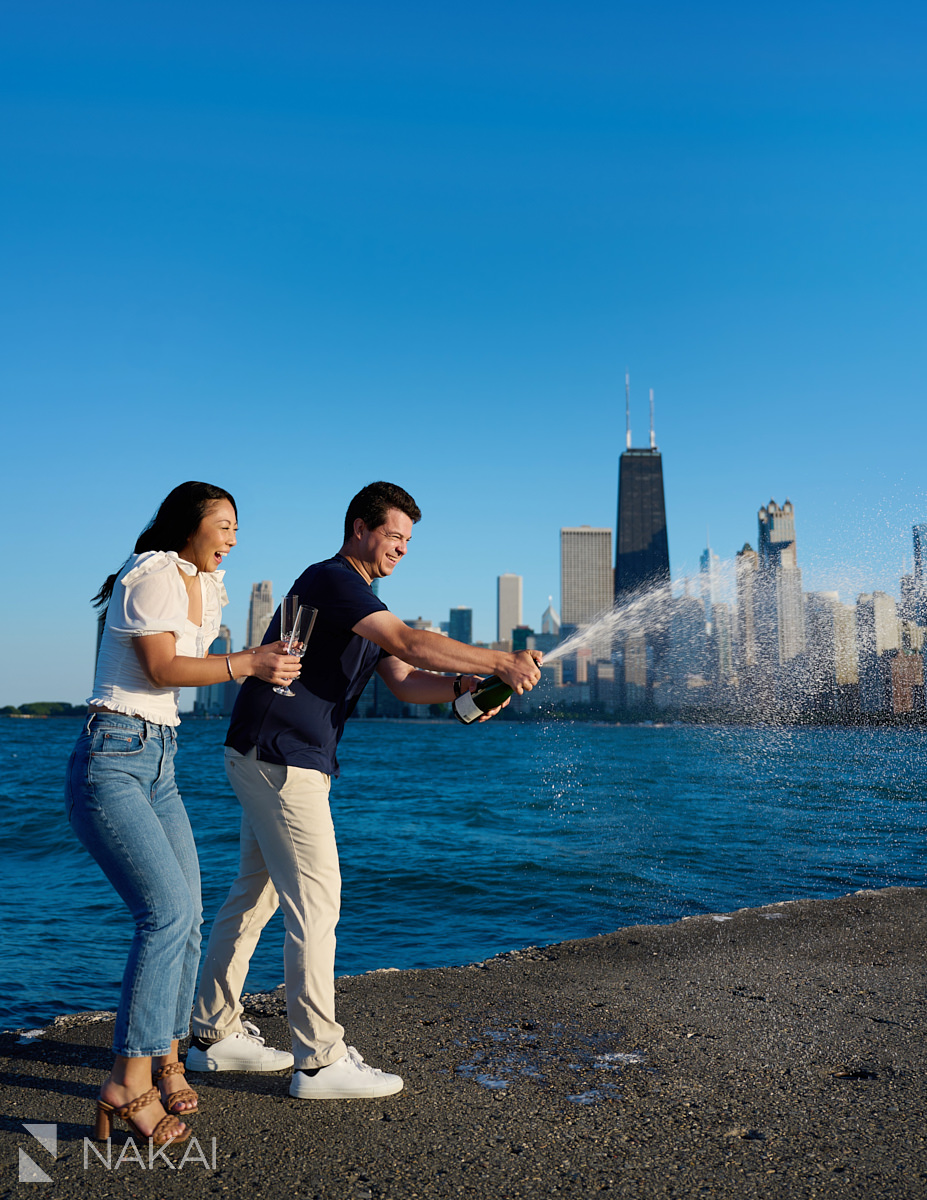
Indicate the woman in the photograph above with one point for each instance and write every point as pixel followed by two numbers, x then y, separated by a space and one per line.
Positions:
pixel 163 610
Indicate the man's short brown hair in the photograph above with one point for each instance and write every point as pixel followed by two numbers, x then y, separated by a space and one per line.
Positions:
pixel 373 502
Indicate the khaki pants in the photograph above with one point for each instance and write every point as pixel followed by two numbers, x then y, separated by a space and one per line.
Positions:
pixel 288 857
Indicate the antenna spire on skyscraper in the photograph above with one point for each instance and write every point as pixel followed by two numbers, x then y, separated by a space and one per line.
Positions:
pixel 653 440
pixel 627 405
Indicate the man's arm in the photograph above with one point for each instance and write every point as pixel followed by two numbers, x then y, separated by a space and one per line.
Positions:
pixel 432 652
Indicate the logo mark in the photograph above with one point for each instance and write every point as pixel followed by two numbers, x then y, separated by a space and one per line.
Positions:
pixel 47 1137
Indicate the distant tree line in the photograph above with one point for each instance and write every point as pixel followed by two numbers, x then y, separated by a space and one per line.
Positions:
pixel 44 708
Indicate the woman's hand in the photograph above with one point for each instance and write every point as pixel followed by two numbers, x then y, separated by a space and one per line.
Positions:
pixel 272 664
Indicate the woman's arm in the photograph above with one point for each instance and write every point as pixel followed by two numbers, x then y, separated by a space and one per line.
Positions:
pixel 166 669
pixel 415 687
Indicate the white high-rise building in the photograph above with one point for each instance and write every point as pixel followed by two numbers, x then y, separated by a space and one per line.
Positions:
pixel 746 566
pixel 260 611
pixel 508 606
pixel 830 634
pixel 586 575
pixel 587 581
pixel 878 633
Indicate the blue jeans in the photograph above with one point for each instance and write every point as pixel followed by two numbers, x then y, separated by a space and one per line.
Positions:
pixel 124 806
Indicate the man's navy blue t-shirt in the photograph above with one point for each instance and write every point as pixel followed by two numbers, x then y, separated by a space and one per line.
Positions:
pixel 304 730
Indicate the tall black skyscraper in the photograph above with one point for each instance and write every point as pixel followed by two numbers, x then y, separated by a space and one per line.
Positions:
pixel 642 552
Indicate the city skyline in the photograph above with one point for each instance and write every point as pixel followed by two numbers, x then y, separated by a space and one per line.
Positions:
pixel 758 593
pixel 435 248
pixel 781 655
pixel 716 579
pixel 706 582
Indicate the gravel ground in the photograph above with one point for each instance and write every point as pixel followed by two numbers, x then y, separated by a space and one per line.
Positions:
pixel 777 1052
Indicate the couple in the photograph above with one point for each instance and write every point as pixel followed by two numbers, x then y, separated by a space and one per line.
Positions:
pixel 163 611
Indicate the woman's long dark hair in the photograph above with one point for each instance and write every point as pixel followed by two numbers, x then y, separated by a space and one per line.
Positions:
pixel 173 524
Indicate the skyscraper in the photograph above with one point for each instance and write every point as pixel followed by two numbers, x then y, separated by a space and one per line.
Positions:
pixel 687 664
pixel 779 583
pixel 877 636
pixel 586 582
pixel 832 673
pixel 920 582
pixel 642 552
pixel 721 646
pixel 260 611
pixel 777 531
pixel 709 580
pixel 641 558
pixel 550 620
pixel 508 606
pixel 909 607
pixel 746 568
pixel 460 625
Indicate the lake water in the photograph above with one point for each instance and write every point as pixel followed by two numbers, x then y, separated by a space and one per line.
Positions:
pixel 457 844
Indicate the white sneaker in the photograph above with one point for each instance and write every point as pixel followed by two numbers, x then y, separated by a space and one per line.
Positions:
pixel 239 1052
pixel 348 1078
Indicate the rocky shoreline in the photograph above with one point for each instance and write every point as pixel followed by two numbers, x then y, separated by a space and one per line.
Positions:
pixel 776 1052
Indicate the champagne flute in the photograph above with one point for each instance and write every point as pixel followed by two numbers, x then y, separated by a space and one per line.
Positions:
pixel 289 606
pixel 298 636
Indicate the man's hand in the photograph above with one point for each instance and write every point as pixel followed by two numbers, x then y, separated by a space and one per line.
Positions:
pixel 521 672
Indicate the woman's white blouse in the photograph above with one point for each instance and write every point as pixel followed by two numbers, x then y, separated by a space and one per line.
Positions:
pixel 149 596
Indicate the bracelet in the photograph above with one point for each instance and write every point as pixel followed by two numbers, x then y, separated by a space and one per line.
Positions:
pixel 458 685
pixel 228 663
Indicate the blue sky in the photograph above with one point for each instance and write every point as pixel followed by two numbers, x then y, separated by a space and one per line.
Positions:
pixel 292 247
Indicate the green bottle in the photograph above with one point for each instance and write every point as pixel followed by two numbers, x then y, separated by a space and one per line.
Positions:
pixel 470 706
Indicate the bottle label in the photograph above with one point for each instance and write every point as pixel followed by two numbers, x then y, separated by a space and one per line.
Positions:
pixel 467 708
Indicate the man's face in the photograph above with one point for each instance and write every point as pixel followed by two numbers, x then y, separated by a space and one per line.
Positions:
pixel 383 547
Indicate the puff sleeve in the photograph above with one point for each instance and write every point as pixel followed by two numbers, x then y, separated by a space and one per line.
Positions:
pixel 151 596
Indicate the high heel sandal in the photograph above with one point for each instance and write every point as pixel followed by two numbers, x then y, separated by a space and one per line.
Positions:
pixel 180 1097
pixel 159 1135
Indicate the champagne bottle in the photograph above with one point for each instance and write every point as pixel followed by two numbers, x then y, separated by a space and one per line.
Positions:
pixel 490 693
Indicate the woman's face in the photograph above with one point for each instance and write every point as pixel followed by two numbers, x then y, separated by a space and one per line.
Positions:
pixel 213 538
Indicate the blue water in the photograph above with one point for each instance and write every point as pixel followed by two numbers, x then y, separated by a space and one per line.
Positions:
pixel 457 844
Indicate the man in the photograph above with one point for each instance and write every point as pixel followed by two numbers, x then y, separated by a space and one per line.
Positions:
pixel 280 757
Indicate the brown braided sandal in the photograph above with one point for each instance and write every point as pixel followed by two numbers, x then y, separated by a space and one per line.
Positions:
pixel 160 1135
pixel 180 1097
